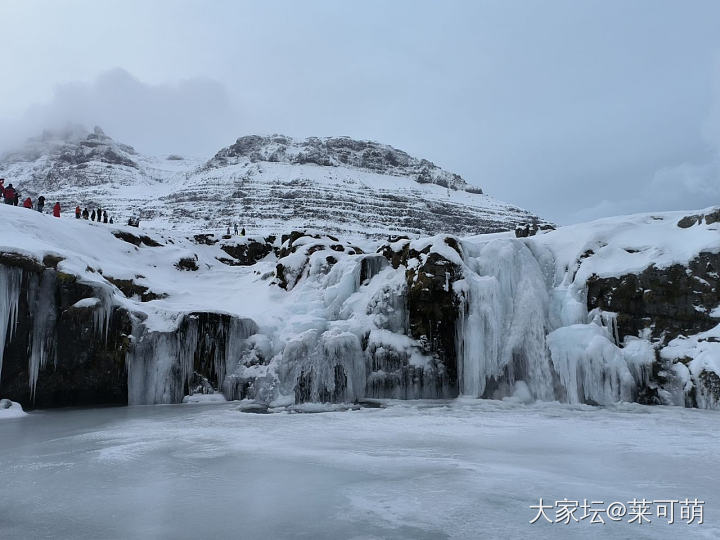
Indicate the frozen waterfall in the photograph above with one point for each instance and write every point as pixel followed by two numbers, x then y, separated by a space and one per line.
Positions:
pixel 503 322
pixel 515 325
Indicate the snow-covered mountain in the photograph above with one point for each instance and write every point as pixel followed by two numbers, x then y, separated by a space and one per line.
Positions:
pixel 621 309
pixel 265 184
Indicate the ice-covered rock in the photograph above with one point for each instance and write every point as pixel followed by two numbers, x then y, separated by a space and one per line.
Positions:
pixel 617 310
pixel 10 409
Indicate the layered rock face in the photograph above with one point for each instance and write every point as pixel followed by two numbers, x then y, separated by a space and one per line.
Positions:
pixel 268 185
pixel 591 314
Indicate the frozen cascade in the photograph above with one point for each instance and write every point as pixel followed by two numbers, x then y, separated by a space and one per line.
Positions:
pixel 503 322
pixel 327 366
pixel 608 320
pixel 591 368
pixel 10 281
pixel 161 364
pixel 41 300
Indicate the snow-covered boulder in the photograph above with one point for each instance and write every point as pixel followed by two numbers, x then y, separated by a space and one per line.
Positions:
pixel 10 409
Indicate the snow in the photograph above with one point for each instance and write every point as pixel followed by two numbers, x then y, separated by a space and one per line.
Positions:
pixel 627 244
pixel 87 303
pixel 413 470
pixel 204 398
pixel 523 314
pixel 10 409
pixel 266 195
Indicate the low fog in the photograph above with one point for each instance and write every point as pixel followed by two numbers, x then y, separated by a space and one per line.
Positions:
pixel 572 110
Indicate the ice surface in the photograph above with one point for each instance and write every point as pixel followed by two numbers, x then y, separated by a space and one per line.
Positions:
pixel 466 469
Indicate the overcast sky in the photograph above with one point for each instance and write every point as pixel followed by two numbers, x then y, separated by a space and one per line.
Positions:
pixel 573 109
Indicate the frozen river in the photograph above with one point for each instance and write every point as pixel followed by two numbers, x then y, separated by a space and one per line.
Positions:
pixel 412 470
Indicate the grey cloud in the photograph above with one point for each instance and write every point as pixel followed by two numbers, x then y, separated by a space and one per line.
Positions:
pixel 193 116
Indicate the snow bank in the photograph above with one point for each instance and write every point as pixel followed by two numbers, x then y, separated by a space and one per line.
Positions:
pixel 10 409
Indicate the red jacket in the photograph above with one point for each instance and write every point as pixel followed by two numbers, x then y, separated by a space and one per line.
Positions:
pixel 56 209
pixel 27 203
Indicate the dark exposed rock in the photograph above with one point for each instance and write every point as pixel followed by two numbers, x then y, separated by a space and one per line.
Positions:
pixel 187 263
pixel 433 307
pixel 246 253
pixel 689 221
pixel 129 288
pixel 29 264
pixel 697 219
pixel 206 239
pixel 51 261
pixel 671 301
pixel 83 367
pixel 713 217
pixel 136 240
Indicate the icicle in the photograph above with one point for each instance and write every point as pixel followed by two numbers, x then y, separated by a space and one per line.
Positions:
pixel 10 281
pixel 161 364
pixel 607 320
pixel 103 312
pixel 41 299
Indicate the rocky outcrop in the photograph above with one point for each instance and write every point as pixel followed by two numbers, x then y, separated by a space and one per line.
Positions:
pixel 68 343
pixel 697 219
pixel 668 302
pixel 247 251
pixel 302 253
pixel 339 151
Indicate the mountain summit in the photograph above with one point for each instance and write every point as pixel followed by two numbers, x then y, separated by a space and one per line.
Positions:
pixel 266 184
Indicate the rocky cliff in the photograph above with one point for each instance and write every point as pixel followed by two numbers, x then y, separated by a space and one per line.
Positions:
pixel 626 309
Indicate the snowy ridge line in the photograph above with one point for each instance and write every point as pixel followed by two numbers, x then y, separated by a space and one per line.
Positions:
pixel 376 191
pixel 315 318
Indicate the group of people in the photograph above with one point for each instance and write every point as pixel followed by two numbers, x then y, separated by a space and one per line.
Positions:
pixel 99 215
pixel 11 195
pixel 235 228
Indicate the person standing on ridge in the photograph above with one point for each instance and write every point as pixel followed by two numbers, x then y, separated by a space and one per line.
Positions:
pixel 242 233
pixel 77 212
pixel 85 214
pixel 27 203
pixel 235 228
pixel 9 194
pixel 56 209
pixel 105 219
pixel 2 188
pixel 92 216
pixel 40 203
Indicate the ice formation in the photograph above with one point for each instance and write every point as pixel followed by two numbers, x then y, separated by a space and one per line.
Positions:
pixel 161 364
pixel 317 319
pixel 10 279
pixel 503 323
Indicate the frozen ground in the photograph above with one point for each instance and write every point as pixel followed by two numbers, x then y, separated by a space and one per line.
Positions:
pixel 414 470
